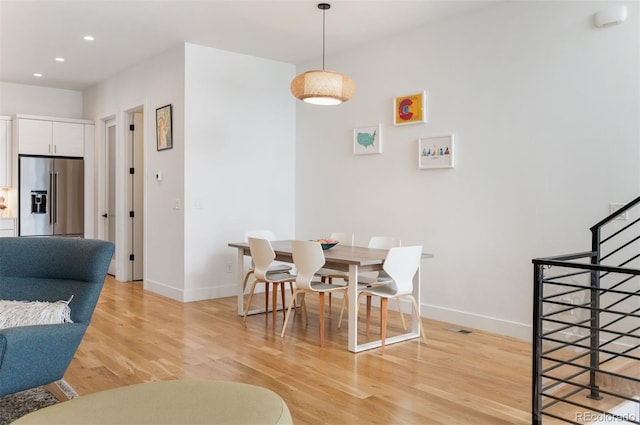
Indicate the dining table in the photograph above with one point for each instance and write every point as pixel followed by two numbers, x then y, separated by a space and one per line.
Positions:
pixel 349 259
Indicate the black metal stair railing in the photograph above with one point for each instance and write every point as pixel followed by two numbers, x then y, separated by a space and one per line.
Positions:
pixel 586 328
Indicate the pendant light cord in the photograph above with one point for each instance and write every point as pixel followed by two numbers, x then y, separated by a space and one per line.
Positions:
pixel 323 36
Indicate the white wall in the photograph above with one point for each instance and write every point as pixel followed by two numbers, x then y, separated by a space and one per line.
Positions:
pixel 239 161
pixel 233 149
pixel 36 100
pixel 545 111
pixel 151 84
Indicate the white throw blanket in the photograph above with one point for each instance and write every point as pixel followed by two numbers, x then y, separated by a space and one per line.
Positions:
pixel 26 313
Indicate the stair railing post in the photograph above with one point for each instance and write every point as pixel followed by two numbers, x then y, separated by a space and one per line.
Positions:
pixel 536 378
pixel 594 356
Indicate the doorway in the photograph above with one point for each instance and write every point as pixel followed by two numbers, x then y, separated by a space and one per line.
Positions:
pixel 110 223
pixel 122 215
pixel 137 192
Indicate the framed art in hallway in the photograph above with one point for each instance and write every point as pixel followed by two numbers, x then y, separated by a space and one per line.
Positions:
pixel 410 109
pixel 367 140
pixel 436 152
pixel 164 131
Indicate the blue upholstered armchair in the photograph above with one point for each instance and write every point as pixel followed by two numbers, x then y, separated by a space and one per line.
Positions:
pixel 48 269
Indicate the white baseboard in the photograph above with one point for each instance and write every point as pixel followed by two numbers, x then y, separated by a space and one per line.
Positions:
pixel 494 325
pixel 162 289
pixel 198 294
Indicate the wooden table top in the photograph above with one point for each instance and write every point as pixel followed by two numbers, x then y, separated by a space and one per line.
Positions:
pixel 339 257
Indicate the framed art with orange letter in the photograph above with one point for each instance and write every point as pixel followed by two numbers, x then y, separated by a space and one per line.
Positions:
pixel 411 109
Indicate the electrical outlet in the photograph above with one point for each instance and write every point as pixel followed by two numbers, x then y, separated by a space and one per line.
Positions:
pixel 227 267
pixel 615 207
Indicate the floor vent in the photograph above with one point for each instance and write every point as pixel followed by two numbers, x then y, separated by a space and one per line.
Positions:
pixel 462 331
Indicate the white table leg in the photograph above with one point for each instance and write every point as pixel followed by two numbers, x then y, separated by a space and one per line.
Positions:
pixel 416 294
pixel 353 320
pixel 352 291
pixel 239 280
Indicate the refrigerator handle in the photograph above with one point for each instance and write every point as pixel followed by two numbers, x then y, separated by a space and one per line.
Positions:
pixel 52 198
pixel 55 197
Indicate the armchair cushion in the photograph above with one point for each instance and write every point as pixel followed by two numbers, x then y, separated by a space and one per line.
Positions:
pixel 25 313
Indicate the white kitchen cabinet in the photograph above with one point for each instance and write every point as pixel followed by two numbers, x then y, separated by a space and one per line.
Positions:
pixel 6 160
pixel 34 136
pixel 67 139
pixel 8 227
pixel 51 137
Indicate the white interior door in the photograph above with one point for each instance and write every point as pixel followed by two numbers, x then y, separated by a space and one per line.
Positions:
pixel 110 190
pixel 137 191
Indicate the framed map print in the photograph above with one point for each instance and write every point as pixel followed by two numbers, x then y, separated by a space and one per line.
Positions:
pixel 367 140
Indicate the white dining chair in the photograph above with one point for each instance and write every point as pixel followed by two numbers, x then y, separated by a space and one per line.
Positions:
pixel 263 257
pixel 275 267
pixel 345 239
pixel 366 280
pixel 308 258
pixel 401 264
pixel 327 275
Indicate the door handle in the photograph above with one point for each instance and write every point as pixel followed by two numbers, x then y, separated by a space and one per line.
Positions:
pixel 105 215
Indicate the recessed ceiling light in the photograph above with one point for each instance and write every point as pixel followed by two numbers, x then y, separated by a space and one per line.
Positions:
pixel 89 37
pixel 59 59
pixel 37 74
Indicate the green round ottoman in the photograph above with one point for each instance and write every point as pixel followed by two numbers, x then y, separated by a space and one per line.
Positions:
pixel 169 402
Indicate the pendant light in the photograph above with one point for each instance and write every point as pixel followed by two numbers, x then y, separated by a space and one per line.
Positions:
pixel 321 87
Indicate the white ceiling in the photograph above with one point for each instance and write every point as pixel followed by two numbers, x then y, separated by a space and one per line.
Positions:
pixel 34 33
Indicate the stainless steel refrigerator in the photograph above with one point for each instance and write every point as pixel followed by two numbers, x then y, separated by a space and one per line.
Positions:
pixel 51 196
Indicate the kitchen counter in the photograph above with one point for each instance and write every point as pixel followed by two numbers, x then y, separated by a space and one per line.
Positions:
pixel 8 226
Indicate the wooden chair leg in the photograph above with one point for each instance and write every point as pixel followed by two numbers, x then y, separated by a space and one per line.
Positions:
pixel 321 318
pixel 286 318
pixel 295 304
pixel 304 308
pixel 368 313
pixel 246 279
pixel 274 301
pixel 266 299
pixel 246 309
pixel 283 301
pixel 404 324
pixel 383 321
pixel 330 283
pixel 345 302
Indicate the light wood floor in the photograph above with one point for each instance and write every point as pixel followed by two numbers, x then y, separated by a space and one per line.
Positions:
pixel 137 336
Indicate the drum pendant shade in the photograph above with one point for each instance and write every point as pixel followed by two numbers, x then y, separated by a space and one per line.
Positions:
pixel 323 87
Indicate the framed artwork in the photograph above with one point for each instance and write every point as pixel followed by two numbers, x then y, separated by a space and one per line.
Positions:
pixel 436 152
pixel 367 140
pixel 411 109
pixel 164 131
